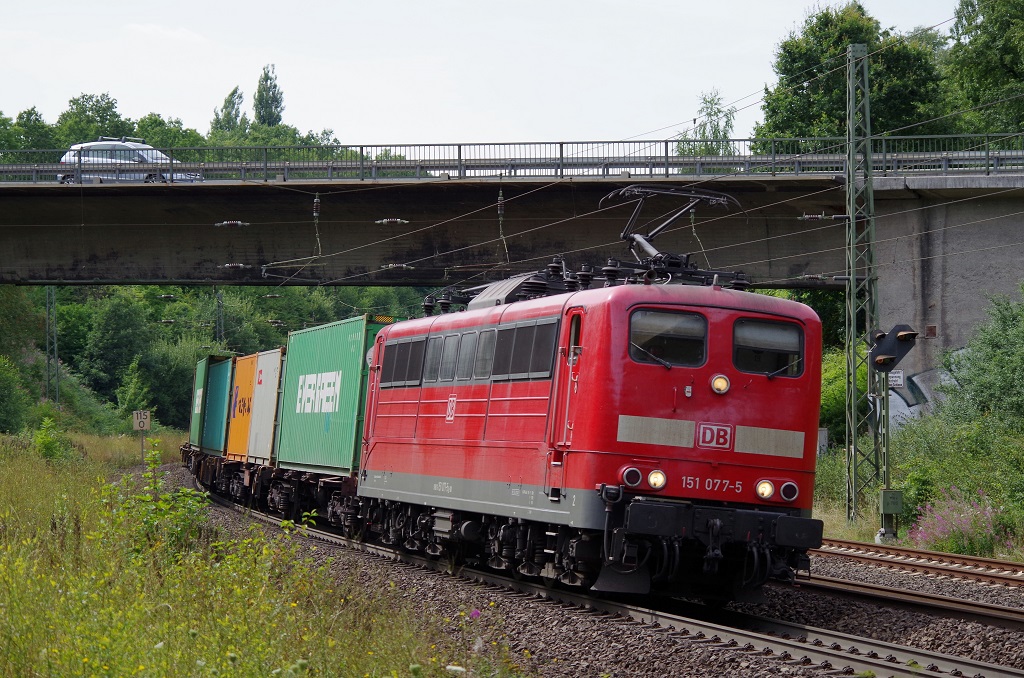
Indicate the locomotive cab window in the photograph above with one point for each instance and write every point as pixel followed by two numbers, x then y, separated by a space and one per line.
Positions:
pixel 667 338
pixel 771 348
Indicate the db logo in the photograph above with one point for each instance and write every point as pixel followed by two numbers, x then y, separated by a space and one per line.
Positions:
pixel 715 436
pixel 449 416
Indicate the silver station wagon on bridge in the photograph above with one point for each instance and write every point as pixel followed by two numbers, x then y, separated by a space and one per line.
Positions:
pixel 123 159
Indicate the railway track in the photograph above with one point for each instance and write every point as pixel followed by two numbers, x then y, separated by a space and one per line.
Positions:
pixel 795 645
pixel 985 613
pixel 932 563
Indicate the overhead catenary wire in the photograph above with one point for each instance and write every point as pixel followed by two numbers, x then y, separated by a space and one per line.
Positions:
pixel 549 255
pixel 414 231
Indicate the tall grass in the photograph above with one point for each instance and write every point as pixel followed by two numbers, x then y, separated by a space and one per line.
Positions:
pixel 129 579
pixel 124 451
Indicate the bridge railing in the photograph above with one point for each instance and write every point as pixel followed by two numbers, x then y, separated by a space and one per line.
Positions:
pixel 963 154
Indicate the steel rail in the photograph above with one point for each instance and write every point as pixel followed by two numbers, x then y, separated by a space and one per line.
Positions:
pixel 987 570
pixel 985 613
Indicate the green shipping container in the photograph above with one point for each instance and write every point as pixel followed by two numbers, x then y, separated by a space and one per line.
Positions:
pixel 323 396
pixel 215 411
pixel 195 430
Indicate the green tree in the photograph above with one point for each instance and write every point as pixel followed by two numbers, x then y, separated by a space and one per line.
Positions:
pixel 33 132
pixel 134 392
pixel 120 333
pixel 21 322
pixel 229 118
pixel 172 365
pixel 169 133
pixel 74 320
pixel 830 305
pixel 14 400
pixel 8 135
pixel 810 97
pixel 89 117
pixel 713 124
pixel 986 65
pixel 268 104
pixel 276 135
pixel 324 137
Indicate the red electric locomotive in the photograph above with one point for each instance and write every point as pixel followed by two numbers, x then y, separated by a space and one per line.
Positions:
pixel 629 437
pixel 614 437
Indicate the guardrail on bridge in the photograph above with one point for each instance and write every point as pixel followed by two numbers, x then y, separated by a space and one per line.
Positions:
pixel 944 155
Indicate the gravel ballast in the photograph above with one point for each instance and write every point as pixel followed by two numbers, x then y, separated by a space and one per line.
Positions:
pixel 547 639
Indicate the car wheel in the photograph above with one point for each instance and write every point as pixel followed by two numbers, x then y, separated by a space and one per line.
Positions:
pixel 67 179
pixel 150 179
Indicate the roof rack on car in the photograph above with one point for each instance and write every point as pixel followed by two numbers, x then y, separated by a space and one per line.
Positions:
pixel 135 139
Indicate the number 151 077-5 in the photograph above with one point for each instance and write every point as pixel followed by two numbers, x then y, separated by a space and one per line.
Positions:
pixel 712 484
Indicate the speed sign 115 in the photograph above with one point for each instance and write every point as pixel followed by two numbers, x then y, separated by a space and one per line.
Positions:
pixel 140 420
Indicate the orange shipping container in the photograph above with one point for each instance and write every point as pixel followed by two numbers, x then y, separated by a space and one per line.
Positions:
pixel 241 408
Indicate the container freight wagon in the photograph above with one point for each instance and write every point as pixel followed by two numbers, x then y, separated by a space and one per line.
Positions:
pixel 320 413
pixel 238 401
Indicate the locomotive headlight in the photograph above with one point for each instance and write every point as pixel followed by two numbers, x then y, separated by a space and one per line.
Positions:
pixel 656 479
pixel 720 383
pixel 765 489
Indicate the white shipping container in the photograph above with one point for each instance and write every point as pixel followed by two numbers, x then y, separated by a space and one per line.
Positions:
pixel 264 406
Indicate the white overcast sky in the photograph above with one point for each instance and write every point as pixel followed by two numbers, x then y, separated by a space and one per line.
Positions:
pixel 417 71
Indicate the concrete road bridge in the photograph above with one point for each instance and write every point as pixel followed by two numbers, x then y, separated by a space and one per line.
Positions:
pixel 948 218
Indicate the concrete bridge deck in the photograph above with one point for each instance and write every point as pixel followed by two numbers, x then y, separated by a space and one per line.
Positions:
pixel 945 244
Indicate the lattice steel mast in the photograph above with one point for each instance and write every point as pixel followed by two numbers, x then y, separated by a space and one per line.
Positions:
pixel 868 409
pixel 52 390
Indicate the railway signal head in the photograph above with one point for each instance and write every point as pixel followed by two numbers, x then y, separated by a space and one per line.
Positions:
pixel 890 347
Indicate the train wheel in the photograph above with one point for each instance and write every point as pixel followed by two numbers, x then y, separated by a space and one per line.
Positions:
pixel 355 530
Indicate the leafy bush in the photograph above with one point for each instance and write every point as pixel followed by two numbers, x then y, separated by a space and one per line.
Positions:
pixel 80 409
pixel 155 523
pixel 946 449
pixel 987 373
pixel 830 479
pixel 51 443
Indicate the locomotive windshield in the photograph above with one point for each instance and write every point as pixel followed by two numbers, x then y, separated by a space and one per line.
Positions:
pixel 667 338
pixel 768 348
